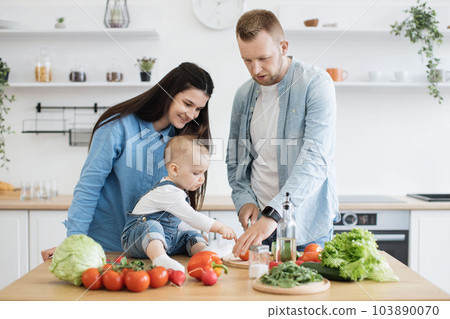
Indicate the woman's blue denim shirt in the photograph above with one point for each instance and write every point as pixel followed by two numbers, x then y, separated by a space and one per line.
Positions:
pixel 305 149
pixel 125 161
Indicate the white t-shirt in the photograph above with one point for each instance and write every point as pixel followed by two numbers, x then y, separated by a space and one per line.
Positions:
pixel 172 199
pixel 263 128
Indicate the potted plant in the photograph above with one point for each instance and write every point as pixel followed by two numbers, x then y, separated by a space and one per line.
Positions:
pixel 60 23
pixel 421 26
pixel 146 66
pixel 4 99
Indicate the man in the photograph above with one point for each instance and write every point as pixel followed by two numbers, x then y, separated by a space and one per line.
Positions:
pixel 282 139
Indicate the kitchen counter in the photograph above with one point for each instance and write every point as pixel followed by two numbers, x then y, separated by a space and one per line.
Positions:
pixel 224 203
pixel 40 284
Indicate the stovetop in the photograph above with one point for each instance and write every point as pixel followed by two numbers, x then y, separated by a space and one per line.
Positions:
pixel 432 197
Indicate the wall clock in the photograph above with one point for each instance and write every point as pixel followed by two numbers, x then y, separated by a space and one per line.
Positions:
pixel 218 14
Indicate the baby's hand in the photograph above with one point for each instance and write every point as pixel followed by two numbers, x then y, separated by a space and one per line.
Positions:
pixel 227 232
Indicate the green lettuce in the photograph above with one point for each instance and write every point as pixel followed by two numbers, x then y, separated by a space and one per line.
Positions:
pixel 76 254
pixel 356 255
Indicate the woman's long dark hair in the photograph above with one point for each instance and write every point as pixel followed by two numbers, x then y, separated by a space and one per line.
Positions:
pixel 153 104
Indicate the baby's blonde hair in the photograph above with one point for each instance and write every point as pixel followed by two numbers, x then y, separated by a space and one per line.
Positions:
pixel 180 149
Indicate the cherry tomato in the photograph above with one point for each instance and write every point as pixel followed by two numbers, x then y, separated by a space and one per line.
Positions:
pixel 313 248
pixel 125 271
pixel 118 259
pixel 91 279
pixel 274 264
pixel 311 256
pixel 106 267
pixel 112 280
pixel 299 262
pixel 137 281
pixel 244 256
pixel 158 277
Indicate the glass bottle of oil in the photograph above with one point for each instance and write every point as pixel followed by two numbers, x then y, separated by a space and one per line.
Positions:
pixel 286 248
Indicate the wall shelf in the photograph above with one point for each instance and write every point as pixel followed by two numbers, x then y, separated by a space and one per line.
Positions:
pixel 138 33
pixel 367 84
pixel 80 84
pixel 322 32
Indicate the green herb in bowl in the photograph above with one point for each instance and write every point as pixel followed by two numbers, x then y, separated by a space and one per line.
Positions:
pixel 288 275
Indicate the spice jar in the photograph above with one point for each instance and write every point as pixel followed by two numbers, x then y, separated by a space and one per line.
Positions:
pixel 259 261
pixel 114 74
pixel 77 74
pixel 43 71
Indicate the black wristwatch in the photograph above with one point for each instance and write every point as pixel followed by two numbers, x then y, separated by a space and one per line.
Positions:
pixel 271 213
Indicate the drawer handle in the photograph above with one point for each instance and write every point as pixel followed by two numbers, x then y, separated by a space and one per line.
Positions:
pixel 390 237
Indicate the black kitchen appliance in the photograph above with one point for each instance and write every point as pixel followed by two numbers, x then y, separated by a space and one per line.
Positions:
pixel 390 227
pixel 432 197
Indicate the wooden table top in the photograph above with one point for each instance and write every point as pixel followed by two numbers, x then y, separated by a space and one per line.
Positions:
pixel 40 284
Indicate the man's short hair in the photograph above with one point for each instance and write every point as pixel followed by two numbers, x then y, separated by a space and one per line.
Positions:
pixel 251 23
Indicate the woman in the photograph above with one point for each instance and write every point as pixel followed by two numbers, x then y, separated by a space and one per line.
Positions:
pixel 127 149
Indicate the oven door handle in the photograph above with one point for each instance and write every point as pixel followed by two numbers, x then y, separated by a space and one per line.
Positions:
pixel 390 237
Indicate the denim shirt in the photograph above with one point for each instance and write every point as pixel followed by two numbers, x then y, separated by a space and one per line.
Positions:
pixel 305 149
pixel 125 160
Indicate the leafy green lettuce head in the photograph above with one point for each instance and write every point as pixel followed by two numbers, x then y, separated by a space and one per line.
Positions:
pixel 356 255
pixel 76 254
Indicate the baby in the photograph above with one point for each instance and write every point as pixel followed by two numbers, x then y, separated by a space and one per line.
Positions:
pixel 158 225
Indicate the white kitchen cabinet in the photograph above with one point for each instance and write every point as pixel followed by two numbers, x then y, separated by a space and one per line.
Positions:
pixel 46 231
pixel 13 245
pixel 429 237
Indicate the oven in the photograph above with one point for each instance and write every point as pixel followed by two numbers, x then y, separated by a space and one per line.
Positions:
pixel 390 229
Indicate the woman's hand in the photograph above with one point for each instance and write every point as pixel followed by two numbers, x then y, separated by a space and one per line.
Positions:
pixel 248 211
pixel 47 253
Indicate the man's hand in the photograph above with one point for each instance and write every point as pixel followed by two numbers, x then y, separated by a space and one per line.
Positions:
pixel 248 211
pixel 46 254
pixel 254 235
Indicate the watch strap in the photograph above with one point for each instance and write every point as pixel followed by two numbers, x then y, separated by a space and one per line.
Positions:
pixel 271 213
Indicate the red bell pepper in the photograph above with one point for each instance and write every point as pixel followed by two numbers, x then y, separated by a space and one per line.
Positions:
pixel 203 261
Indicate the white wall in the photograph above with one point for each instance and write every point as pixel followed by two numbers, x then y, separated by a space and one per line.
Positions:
pixel 388 141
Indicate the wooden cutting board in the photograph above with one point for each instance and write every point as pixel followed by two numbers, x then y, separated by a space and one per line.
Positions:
pixel 236 262
pixel 304 289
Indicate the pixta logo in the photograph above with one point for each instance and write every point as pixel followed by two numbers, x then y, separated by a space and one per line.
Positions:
pixel 140 150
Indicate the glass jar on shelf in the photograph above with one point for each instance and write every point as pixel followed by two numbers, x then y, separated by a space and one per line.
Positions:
pixel 77 74
pixel 43 71
pixel 114 74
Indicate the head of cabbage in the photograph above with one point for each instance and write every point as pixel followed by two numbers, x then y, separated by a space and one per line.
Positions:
pixel 76 254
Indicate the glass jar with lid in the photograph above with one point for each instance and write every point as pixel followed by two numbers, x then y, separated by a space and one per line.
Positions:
pixel 42 70
pixel 114 73
pixel 77 73
pixel 258 261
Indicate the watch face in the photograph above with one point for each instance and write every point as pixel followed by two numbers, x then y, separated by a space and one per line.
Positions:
pixel 218 14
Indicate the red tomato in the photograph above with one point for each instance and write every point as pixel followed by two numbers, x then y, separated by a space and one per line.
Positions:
pixel 137 281
pixel 299 262
pixel 274 264
pixel 112 280
pixel 244 256
pixel 106 267
pixel 91 279
pixel 125 271
pixel 313 248
pixel 118 259
pixel 158 277
pixel 311 256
